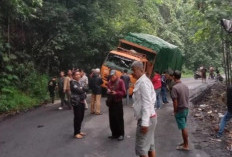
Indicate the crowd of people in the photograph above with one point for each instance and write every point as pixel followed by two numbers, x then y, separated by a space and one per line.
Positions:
pixel 148 96
pixel 202 73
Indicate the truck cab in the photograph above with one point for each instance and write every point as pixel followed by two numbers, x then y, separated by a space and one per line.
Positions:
pixel 123 57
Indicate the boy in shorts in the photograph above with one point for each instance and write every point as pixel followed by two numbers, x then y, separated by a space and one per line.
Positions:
pixel 180 97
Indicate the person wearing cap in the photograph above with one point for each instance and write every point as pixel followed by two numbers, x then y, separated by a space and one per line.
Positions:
pixel 180 98
pixel 95 86
pixel 116 90
pixel 144 97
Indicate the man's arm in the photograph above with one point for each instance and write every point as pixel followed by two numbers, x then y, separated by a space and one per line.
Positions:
pixel 175 105
pixel 65 84
pixel 146 102
pixel 174 99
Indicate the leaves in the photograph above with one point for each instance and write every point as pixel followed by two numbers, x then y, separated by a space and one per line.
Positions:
pixel 52 35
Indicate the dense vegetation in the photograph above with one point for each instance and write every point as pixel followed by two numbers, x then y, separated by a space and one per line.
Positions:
pixel 40 37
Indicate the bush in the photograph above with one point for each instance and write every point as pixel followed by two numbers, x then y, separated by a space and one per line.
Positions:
pixel 186 73
pixel 13 99
pixel 32 92
pixel 36 85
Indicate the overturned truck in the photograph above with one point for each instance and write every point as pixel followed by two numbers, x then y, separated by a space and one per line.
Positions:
pixel 155 53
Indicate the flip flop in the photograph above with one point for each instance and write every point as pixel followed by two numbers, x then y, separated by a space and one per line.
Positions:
pixel 82 134
pixel 181 144
pixel 181 147
pixel 78 136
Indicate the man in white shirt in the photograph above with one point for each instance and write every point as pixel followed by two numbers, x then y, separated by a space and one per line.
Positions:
pixel 144 100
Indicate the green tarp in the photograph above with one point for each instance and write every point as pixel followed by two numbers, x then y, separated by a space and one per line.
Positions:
pixel 168 56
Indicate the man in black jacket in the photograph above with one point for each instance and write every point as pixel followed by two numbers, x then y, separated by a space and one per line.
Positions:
pixel 95 86
pixel 78 95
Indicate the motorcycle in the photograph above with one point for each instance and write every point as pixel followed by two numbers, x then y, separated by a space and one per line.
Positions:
pixel 197 75
pixel 211 76
pixel 219 78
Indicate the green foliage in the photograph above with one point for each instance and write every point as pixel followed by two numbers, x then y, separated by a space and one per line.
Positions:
pixel 186 73
pixel 13 99
pixel 35 85
pixel 33 92
pixel 40 37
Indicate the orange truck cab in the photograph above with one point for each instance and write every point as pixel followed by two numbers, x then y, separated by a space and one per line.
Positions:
pixel 122 58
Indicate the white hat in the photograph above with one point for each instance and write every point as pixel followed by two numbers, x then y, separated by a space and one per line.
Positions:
pixel 97 70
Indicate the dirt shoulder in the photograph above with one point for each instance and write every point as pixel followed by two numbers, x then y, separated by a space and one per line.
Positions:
pixel 207 110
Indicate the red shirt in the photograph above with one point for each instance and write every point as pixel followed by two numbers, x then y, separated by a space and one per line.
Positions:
pixel 119 87
pixel 156 81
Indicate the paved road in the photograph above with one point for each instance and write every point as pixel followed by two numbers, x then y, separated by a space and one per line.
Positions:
pixel 47 132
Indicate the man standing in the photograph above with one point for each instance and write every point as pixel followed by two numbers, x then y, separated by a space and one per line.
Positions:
pixel 157 86
pixel 116 91
pixel 51 88
pixel 170 80
pixel 61 89
pixel 95 86
pixel 180 97
pixel 203 74
pixel 77 100
pixel 144 98
pixel 67 90
pixel 164 88
pixel 228 114
pixel 84 82
pixel 126 80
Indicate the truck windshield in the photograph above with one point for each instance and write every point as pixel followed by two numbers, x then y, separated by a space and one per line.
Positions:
pixel 117 62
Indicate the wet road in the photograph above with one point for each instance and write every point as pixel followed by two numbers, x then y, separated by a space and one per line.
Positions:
pixel 47 132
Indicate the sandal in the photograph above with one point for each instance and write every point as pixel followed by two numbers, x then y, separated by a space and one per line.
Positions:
pixel 181 144
pixel 181 147
pixel 78 136
pixel 98 113
pixel 82 134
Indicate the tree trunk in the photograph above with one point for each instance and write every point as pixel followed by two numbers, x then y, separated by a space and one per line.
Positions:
pixel 8 34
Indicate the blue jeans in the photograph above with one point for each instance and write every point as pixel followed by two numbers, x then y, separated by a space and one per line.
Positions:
pixel 158 97
pixel 164 94
pixel 222 124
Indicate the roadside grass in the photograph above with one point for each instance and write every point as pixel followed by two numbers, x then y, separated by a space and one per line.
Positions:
pixel 33 92
pixel 15 100
pixel 187 75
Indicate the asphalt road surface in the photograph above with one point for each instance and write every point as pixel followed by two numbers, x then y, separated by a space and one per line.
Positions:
pixel 48 132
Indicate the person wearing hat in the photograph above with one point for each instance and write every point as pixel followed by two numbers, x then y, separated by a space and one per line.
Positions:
pixel 116 90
